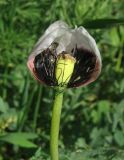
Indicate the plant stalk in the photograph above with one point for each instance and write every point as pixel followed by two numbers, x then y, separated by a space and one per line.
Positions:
pixel 55 123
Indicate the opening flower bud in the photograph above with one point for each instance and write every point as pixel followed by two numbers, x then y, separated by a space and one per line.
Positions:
pixel 64 69
pixel 65 57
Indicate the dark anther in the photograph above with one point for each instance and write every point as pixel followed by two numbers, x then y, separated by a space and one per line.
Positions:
pixel 84 67
pixel 45 64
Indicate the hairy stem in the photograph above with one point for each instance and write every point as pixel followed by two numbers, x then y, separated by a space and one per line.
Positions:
pixel 56 113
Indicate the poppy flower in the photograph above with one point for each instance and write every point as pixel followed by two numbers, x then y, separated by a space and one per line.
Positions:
pixel 60 43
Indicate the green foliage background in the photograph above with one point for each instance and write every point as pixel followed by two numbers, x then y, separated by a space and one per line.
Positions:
pixel 92 121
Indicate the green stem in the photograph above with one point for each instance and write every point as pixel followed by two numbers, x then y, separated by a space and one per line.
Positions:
pixel 57 106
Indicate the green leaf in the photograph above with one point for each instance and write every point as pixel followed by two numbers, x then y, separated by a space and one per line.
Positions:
pixel 21 139
pixel 3 106
pixel 39 155
pixel 98 154
pixel 102 23
pixel 119 138
pixel 103 106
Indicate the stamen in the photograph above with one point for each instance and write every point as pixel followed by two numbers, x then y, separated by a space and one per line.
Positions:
pixel 84 67
pixel 45 63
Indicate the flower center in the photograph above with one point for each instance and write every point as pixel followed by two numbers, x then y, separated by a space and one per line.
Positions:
pixel 64 68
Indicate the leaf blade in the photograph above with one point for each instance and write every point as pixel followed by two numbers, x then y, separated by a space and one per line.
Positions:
pixel 103 23
pixel 21 139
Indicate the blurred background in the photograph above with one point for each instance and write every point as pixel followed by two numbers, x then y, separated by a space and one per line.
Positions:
pixel 92 121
